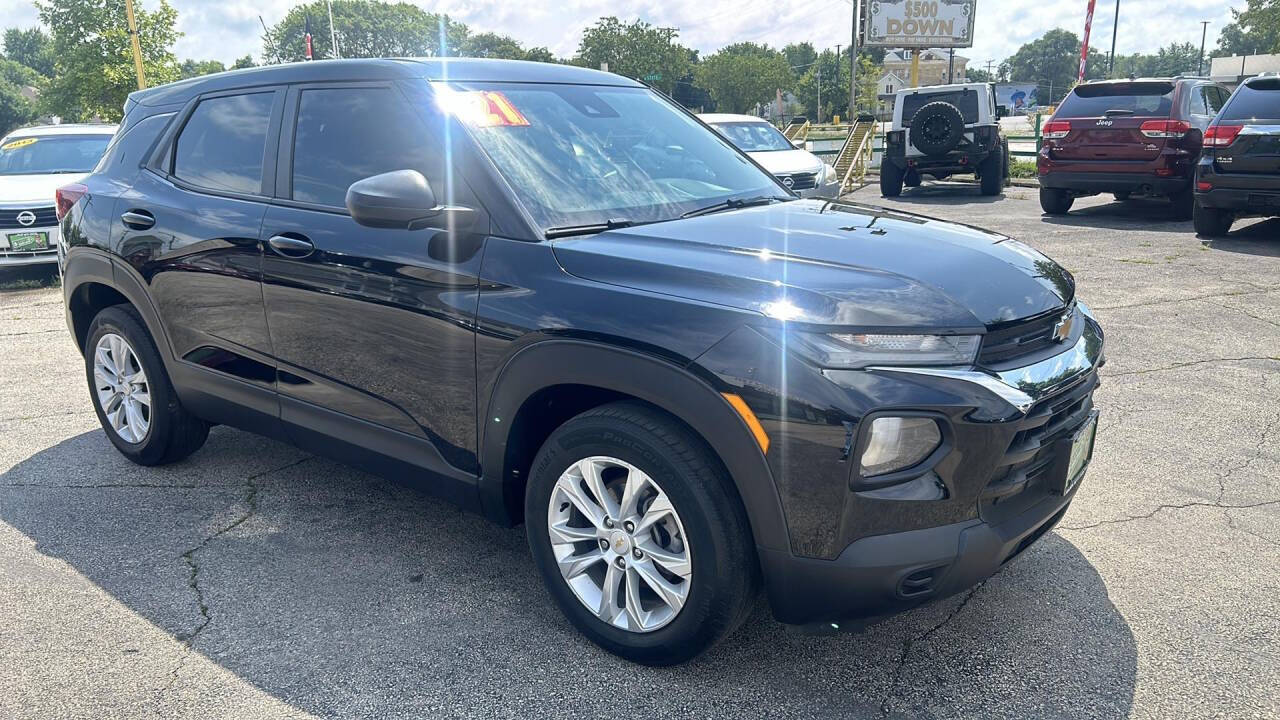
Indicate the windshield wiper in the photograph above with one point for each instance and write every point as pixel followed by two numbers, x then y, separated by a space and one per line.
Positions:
pixel 589 229
pixel 732 204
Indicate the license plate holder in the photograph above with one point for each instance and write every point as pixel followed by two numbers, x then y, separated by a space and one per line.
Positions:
pixel 1073 456
pixel 28 241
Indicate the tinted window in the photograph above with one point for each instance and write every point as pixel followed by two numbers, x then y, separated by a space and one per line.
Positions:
pixel 1130 98
pixel 1257 101
pixel 127 148
pixel 1216 99
pixel 966 101
pixel 51 154
pixel 348 134
pixel 222 145
pixel 1199 101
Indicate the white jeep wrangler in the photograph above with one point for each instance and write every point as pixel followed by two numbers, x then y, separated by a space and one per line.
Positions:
pixel 945 130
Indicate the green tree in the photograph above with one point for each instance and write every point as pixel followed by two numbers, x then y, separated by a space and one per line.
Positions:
pixel 93 60
pixel 834 72
pixel 16 109
pixel 1253 31
pixel 195 68
pixel 244 62
pixel 364 29
pixel 637 50
pixel 30 47
pixel 740 76
pixel 1052 61
pixel 978 75
pixel 493 45
pixel 800 56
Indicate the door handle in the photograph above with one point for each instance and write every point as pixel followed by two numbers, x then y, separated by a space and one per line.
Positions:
pixel 290 246
pixel 138 219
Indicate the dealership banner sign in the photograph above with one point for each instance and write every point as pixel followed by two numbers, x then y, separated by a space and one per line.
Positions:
pixel 920 23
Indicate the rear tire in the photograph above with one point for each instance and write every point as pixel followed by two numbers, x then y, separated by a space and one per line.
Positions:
pixel 1055 202
pixel 1183 204
pixel 143 417
pixel 1212 222
pixel 622 443
pixel 891 177
pixel 991 174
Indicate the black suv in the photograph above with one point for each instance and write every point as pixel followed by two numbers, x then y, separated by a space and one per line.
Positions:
pixel 552 296
pixel 1239 170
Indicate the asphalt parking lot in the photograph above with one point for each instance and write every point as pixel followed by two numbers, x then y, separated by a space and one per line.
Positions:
pixel 253 580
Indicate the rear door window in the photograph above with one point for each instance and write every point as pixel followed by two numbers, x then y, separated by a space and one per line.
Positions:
pixel 348 134
pixel 1142 99
pixel 223 144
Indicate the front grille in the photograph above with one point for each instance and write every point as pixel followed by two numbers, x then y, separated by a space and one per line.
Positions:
pixel 45 217
pixel 801 181
pixel 1012 340
pixel 1031 453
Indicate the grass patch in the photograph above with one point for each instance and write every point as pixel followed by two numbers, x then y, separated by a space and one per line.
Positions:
pixel 1022 169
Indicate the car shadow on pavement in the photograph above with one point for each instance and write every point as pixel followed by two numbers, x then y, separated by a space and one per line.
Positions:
pixel 1148 214
pixel 1250 238
pixel 941 192
pixel 347 595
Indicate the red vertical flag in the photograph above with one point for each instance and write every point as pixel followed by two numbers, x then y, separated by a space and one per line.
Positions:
pixel 307 34
pixel 1084 46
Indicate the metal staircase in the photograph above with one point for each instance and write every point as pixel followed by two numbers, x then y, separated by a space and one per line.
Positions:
pixel 855 156
pixel 797 131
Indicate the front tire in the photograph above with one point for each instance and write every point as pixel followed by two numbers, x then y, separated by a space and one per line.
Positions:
pixel 1055 202
pixel 639 535
pixel 131 392
pixel 1212 222
pixel 891 177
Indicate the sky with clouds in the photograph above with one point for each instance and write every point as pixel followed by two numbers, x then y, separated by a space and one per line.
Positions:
pixel 227 29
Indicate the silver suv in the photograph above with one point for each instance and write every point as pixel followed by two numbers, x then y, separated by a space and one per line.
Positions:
pixel 942 131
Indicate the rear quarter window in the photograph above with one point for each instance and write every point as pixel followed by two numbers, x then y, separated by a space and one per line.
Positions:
pixel 1257 102
pixel 129 147
pixel 1143 99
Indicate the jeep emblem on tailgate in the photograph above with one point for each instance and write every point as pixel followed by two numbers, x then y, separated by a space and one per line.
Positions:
pixel 1105 123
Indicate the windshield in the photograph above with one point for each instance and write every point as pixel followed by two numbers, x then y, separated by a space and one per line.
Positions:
pixel 1132 98
pixel 48 154
pixel 585 154
pixel 754 136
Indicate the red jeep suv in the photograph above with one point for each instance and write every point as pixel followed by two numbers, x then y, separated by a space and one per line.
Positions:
pixel 1127 137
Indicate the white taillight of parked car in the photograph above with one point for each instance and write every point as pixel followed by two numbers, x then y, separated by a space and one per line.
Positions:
pixel 1221 135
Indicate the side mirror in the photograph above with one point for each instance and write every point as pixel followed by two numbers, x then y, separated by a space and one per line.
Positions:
pixel 391 200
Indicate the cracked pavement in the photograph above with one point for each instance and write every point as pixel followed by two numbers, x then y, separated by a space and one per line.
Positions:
pixel 253 580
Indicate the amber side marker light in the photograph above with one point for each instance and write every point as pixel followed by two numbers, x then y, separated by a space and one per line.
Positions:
pixel 750 419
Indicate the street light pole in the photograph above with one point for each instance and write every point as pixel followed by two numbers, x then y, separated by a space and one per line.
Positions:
pixel 1204 31
pixel 1115 25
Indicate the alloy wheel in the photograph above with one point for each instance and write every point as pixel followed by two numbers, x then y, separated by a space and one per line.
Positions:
pixel 122 389
pixel 619 544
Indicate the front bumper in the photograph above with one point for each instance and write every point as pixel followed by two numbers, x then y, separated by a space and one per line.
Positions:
pixel 859 550
pixel 829 190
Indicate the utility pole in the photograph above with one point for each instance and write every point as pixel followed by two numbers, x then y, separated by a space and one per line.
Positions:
pixel 137 48
pixel 1111 64
pixel 853 60
pixel 951 66
pixel 1204 31
pixel 333 34
pixel 837 71
pixel 989 64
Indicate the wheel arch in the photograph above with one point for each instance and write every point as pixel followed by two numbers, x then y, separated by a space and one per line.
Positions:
pixel 93 280
pixel 590 374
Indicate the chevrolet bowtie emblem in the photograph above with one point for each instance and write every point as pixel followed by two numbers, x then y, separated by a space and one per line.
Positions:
pixel 1062 331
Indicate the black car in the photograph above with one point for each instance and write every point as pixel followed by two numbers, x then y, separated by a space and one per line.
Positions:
pixel 1238 174
pixel 553 297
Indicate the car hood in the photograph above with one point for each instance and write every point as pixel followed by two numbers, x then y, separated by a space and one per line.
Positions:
pixel 830 263
pixel 787 161
pixel 34 190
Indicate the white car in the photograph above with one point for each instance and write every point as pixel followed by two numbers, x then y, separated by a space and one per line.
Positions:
pixel 34 163
pixel 801 171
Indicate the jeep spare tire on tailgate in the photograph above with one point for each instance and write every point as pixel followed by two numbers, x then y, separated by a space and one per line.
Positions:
pixel 937 128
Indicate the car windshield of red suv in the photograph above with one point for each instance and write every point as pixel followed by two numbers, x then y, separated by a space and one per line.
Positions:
pixel 1131 98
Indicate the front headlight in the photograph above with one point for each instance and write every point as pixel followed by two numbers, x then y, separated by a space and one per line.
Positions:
pixel 848 351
